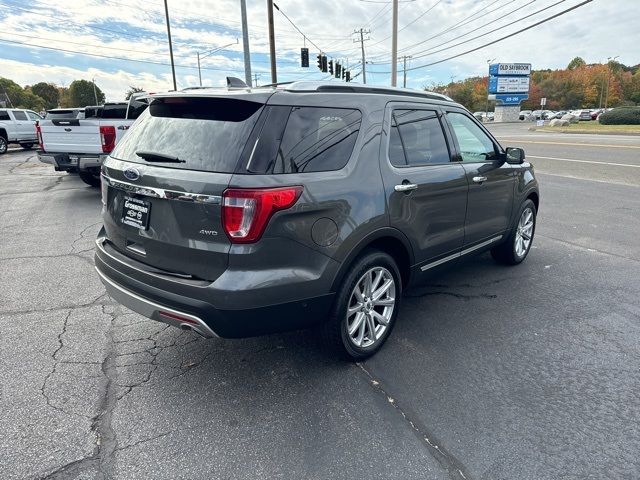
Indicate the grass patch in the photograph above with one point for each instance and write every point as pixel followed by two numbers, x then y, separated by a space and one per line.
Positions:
pixel 593 127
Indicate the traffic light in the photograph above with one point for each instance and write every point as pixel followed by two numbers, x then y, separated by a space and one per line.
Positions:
pixel 338 70
pixel 348 76
pixel 331 67
pixel 304 57
pixel 344 73
pixel 324 63
pixel 319 57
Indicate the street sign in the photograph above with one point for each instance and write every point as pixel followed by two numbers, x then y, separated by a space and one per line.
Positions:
pixel 510 69
pixel 511 98
pixel 512 84
pixel 543 101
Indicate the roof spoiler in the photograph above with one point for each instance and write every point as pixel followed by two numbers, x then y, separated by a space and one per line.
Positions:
pixel 234 82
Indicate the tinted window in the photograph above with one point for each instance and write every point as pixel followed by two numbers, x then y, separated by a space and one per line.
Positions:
pixel 475 145
pixel 4 115
pixel 136 107
pixel 61 114
pixel 417 139
pixel 207 133
pixel 113 111
pixel 317 139
pixel 18 115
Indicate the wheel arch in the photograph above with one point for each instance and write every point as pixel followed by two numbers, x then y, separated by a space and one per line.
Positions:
pixel 534 197
pixel 388 240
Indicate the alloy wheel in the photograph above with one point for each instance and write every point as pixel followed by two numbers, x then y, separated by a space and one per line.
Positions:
pixel 524 233
pixel 371 306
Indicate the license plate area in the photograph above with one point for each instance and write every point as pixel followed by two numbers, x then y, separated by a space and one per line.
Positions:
pixel 136 212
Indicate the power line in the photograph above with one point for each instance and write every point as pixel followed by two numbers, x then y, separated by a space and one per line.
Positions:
pixel 501 38
pixel 410 23
pixel 151 62
pixel 431 51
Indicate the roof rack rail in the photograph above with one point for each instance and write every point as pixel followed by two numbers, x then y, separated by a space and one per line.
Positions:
pixel 309 86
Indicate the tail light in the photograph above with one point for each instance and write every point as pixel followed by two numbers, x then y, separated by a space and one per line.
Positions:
pixel 108 138
pixel 39 134
pixel 246 212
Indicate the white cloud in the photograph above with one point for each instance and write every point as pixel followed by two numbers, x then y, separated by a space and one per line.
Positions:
pixel 596 31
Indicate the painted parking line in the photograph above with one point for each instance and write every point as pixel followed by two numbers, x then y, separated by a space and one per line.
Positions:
pixel 584 161
pixel 579 144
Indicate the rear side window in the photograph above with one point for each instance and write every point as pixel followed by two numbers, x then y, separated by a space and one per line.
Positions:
pixel 305 139
pixel 19 115
pixel 416 138
pixel 4 115
pixel 207 134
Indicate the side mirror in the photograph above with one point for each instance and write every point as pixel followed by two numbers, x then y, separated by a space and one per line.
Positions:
pixel 515 155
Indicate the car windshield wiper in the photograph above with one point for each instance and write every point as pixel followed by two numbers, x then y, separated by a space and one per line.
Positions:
pixel 159 157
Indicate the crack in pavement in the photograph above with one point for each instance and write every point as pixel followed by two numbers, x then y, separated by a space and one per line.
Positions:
pixel 588 249
pixel 454 468
pixel 92 303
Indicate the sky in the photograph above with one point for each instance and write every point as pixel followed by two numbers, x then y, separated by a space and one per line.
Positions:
pixel 122 43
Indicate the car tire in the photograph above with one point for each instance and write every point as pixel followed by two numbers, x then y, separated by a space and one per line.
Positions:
pixel 3 145
pixel 352 323
pixel 27 146
pixel 518 243
pixel 90 179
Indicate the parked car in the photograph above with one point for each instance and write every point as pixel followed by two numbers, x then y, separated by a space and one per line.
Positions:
pixel 525 114
pixel 584 115
pixel 237 212
pixel 559 114
pixel 479 115
pixel 596 113
pixel 548 114
pixel 64 113
pixel 79 144
pixel 18 126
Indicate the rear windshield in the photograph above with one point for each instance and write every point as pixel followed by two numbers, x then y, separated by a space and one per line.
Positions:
pixel 61 114
pixel 208 134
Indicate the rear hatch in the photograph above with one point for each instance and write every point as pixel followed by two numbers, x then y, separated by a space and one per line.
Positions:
pixel 69 135
pixel 163 183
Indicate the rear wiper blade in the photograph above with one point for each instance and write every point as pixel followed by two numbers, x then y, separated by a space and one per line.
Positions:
pixel 159 157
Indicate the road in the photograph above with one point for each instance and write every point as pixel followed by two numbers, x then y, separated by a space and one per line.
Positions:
pixel 492 372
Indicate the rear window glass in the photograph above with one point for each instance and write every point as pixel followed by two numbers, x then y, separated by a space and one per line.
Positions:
pixel 315 139
pixel 61 114
pixel 208 134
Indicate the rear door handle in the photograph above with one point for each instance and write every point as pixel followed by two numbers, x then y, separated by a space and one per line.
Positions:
pixel 479 179
pixel 406 187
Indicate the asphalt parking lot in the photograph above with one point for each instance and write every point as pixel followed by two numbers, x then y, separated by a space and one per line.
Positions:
pixel 492 372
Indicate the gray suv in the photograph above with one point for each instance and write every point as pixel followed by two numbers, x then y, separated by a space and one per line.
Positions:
pixel 240 212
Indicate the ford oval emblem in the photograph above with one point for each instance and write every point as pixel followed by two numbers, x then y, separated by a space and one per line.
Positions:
pixel 131 173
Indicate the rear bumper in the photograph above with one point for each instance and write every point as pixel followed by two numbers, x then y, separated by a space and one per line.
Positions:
pixel 71 161
pixel 195 305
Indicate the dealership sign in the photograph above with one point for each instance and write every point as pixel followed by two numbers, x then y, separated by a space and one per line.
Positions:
pixel 510 69
pixel 509 82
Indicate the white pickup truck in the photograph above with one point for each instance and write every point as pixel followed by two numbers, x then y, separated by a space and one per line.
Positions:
pixel 79 145
pixel 17 126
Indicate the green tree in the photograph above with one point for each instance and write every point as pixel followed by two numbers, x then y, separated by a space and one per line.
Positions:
pixel 48 92
pixel 133 90
pixel 576 63
pixel 81 94
pixel 10 89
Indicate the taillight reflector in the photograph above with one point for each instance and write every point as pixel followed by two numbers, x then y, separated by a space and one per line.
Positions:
pixel 108 138
pixel 246 212
pixel 39 135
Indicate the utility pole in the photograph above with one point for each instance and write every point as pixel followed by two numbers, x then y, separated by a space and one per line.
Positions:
pixel 404 69
pixel 211 52
pixel 486 112
pixel 255 78
pixel 95 94
pixel 272 42
pixel 173 67
pixel 245 42
pixel 394 45
pixel 362 33
pixel 606 97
